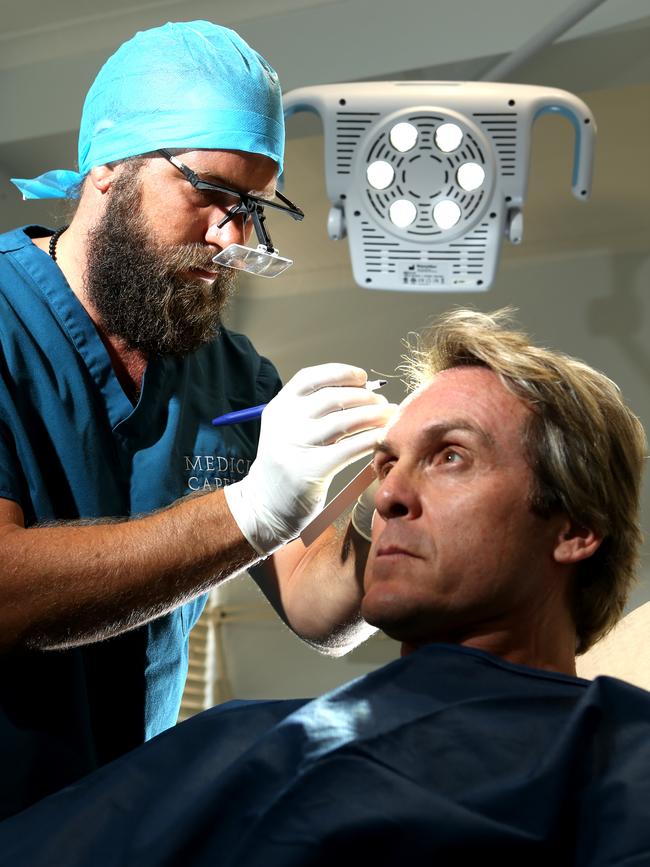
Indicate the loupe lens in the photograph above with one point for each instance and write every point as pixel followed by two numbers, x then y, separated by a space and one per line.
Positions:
pixel 258 261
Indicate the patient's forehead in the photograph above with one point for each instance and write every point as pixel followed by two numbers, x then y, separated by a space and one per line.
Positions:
pixel 474 393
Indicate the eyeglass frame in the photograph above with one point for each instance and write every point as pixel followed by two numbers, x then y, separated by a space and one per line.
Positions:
pixel 250 205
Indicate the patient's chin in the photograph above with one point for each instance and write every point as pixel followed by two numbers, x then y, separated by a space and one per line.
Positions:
pixel 388 612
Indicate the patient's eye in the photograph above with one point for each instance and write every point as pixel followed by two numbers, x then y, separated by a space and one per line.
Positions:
pixel 383 466
pixel 448 455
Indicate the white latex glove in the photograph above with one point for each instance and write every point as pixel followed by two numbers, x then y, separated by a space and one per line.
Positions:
pixel 321 421
pixel 364 510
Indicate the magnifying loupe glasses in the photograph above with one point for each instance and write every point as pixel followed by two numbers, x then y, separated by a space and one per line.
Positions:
pixel 264 260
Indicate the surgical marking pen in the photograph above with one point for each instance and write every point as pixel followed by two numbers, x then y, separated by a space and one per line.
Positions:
pixel 253 412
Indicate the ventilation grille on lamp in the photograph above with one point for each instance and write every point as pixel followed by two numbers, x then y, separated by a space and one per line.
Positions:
pixel 417 268
pixel 502 129
pixel 350 126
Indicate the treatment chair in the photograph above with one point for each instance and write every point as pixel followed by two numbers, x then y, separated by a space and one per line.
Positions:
pixel 623 653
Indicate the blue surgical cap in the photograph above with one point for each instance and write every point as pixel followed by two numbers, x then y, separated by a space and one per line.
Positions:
pixel 188 85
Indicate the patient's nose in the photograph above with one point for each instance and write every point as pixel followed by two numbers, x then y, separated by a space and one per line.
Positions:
pixel 397 496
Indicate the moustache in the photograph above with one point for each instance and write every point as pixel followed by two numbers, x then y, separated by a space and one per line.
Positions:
pixel 187 257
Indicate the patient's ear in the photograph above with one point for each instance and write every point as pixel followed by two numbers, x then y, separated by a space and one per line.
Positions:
pixel 575 543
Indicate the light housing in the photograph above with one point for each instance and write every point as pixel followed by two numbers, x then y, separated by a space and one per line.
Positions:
pixel 467 143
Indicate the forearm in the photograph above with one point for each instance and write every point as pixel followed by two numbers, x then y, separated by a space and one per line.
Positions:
pixel 318 590
pixel 72 583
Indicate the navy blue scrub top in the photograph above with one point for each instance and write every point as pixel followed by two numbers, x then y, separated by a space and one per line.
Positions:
pixel 72 446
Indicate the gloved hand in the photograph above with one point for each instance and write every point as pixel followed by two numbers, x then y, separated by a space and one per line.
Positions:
pixel 364 510
pixel 321 421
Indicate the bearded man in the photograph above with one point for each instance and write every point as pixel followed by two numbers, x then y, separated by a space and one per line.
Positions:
pixel 114 362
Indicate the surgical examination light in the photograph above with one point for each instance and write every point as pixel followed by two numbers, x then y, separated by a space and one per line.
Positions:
pixel 425 178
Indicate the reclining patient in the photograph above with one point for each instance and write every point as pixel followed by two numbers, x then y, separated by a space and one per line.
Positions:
pixel 504 539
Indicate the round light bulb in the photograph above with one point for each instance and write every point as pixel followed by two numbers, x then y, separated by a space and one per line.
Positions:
pixel 470 176
pixel 446 214
pixel 448 137
pixel 402 213
pixel 380 174
pixel 403 137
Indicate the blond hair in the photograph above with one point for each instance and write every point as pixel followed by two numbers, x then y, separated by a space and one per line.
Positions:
pixel 584 445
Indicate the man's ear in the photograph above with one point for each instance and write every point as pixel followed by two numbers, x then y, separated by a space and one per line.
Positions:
pixel 101 177
pixel 575 543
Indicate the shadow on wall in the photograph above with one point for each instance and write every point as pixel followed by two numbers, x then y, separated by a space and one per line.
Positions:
pixel 620 315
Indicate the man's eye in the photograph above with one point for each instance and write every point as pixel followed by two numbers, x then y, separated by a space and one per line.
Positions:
pixel 215 198
pixel 227 202
pixel 450 456
pixel 383 469
pixel 205 197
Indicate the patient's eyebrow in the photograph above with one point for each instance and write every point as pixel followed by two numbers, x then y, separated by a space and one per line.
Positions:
pixel 434 432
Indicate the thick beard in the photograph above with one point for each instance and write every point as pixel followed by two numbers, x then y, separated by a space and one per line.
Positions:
pixel 135 287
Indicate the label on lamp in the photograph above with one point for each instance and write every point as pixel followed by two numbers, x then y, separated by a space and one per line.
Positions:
pixel 422 274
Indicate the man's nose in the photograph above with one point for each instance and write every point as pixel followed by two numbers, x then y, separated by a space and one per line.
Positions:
pixel 236 231
pixel 397 495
